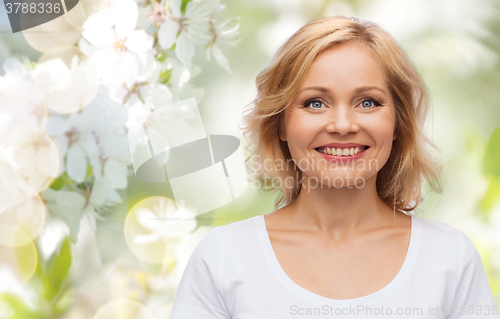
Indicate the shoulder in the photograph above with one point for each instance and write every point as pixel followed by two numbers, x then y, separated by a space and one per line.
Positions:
pixel 439 238
pixel 239 229
pixel 439 232
pixel 453 254
pixel 235 235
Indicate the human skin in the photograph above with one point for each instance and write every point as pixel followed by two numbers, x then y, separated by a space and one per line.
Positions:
pixel 341 117
pixel 345 234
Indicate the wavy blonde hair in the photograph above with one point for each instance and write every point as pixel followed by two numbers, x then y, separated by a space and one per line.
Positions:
pixel 399 181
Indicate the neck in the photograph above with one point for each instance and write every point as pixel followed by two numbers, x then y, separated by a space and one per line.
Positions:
pixel 342 211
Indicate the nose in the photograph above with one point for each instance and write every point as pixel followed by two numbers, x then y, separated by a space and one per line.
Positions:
pixel 342 120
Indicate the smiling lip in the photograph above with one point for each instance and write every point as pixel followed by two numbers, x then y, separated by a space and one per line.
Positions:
pixel 342 145
pixel 342 159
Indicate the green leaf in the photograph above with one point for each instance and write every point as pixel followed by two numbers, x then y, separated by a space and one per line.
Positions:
pixel 165 76
pixel 491 160
pixel 162 56
pixel 67 180
pixel 36 280
pixel 82 186
pixel 65 301
pixel 57 184
pixel 63 261
pixel 90 170
pixel 26 256
pixel 64 179
pixel 56 270
pixel 184 5
pixel 13 307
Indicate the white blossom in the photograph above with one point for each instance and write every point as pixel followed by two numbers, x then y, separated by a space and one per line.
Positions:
pixel 163 222
pixel 27 155
pixel 224 32
pixel 180 76
pixel 66 90
pixel 19 97
pixel 135 64
pixel 113 31
pixel 148 71
pixel 92 136
pixel 193 26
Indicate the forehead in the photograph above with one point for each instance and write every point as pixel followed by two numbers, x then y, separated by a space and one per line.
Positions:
pixel 346 66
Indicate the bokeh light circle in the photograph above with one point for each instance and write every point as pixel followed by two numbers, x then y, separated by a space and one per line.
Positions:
pixel 64 52
pixel 153 229
pixel 17 252
pixel 76 16
pixel 21 207
pixel 34 153
pixel 48 35
pixel 24 104
pixel 67 83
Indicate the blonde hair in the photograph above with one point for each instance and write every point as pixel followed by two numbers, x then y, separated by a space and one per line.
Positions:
pixel 399 181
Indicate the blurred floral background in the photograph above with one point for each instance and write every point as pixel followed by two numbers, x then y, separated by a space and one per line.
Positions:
pixel 82 237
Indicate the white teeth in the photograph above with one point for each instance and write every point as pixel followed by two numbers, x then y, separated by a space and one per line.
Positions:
pixel 341 151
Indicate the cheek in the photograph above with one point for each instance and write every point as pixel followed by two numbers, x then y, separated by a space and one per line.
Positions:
pixel 383 131
pixel 300 129
pixel 382 127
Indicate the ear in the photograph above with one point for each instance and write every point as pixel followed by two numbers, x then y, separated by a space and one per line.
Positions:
pixel 282 134
pixel 395 134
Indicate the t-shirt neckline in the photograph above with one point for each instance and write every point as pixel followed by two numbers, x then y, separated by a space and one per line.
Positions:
pixel 309 295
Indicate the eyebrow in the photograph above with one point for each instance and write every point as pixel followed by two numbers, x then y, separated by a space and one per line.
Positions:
pixel 358 90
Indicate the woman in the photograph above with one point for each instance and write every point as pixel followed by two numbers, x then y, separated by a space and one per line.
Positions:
pixel 337 127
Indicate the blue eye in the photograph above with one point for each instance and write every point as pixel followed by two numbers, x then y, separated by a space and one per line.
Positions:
pixel 366 104
pixel 315 104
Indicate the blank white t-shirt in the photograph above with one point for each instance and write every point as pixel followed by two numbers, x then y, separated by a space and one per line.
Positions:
pixel 234 273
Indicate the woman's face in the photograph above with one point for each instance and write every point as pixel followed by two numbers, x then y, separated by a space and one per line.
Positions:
pixel 344 105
